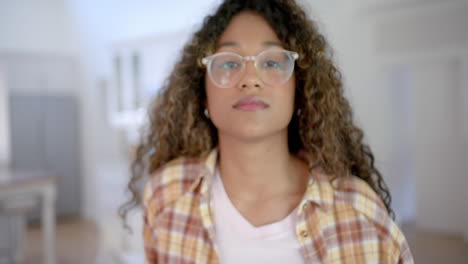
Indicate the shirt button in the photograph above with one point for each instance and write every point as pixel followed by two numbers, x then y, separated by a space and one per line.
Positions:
pixel 304 234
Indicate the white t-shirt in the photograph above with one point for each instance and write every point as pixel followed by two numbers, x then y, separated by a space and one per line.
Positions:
pixel 240 242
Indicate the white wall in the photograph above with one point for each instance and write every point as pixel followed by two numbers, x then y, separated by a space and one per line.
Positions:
pixel 35 26
pixel 4 120
pixel 464 144
pixel 29 29
pixel 439 162
pixel 430 41
pixel 38 73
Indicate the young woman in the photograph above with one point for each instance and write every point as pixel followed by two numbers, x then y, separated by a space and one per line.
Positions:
pixel 252 154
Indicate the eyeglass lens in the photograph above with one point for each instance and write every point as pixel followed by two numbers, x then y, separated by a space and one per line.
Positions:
pixel 273 67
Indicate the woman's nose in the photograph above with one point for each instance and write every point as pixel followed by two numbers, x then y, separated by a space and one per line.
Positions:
pixel 250 77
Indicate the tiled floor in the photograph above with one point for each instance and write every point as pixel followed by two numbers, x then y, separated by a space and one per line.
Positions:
pixel 77 243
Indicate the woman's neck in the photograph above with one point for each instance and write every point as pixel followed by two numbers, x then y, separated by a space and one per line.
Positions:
pixel 260 170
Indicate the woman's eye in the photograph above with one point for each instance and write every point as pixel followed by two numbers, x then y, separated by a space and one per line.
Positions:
pixel 271 64
pixel 229 65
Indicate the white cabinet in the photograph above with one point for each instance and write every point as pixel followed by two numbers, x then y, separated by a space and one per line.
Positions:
pixel 45 122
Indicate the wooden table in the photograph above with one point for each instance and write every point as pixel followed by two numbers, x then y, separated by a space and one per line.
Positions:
pixel 21 183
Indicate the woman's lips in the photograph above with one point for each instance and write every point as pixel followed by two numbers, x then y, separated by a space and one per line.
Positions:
pixel 250 104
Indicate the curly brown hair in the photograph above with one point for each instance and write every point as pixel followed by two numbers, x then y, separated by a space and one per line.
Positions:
pixel 325 127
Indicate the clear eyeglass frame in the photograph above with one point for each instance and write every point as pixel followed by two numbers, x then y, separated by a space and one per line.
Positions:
pixel 291 55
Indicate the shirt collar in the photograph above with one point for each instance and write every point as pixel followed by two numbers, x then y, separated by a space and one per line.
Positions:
pixel 319 189
pixel 206 177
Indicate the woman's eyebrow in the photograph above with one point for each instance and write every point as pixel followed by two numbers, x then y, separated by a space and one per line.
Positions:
pixel 228 43
pixel 272 43
pixel 235 44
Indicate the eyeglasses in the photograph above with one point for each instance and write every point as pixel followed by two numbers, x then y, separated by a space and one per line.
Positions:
pixel 274 67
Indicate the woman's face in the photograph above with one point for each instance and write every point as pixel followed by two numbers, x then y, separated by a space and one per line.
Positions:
pixel 251 109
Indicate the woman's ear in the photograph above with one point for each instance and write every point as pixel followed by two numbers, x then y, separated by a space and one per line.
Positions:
pixel 205 110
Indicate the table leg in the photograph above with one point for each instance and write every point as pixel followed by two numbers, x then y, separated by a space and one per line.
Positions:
pixel 48 224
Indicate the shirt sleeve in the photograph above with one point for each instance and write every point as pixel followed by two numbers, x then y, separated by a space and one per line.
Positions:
pixel 394 247
pixel 405 256
pixel 398 247
pixel 149 239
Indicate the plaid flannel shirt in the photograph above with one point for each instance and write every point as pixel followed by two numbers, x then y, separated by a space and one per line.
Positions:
pixel 336 223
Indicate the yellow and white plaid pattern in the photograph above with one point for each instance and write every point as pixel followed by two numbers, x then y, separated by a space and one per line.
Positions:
pixel 343 222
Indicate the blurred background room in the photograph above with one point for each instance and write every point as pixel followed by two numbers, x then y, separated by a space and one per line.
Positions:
pixel 76 77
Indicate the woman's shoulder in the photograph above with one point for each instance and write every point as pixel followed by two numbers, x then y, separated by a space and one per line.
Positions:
pixel 172 180
pixel 354 198
pixel 358 210
pixel 357 192
pixel 353 192
pixel 176 170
